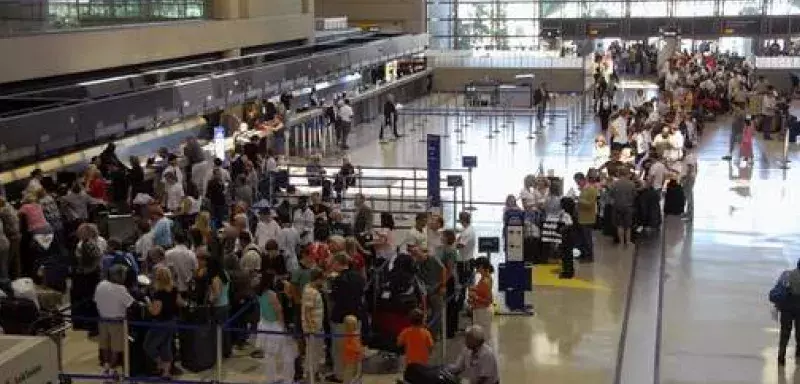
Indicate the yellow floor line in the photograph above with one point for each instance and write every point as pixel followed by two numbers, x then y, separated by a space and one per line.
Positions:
pixel 546 275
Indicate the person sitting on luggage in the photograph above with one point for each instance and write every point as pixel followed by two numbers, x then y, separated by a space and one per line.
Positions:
pixel 477 363
pixel 416 339
pixel 163 307
pixel 113 300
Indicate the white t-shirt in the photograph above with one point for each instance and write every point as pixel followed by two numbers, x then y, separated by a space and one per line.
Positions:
pixel 677 141
pixel 620 126
pixel 657 174
pixel 266 232
pixel 642 142
pixel 175 170
pixel 288 240
pixel 112 300
pixel 183 262
pixel 418 238
pixel 346 113
pixel 467 241
pixel 174 196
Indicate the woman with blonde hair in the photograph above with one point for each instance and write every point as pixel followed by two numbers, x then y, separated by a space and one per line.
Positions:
pixel 602 152
pixel 94 183
pixel 163 307
pixel 202 225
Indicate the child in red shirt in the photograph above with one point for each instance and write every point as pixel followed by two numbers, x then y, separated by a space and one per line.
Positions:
pixel 417 340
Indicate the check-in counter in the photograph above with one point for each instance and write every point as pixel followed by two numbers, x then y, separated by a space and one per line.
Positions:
pixel 309 132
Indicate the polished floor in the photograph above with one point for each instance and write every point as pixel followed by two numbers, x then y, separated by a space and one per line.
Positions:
pixel 715 323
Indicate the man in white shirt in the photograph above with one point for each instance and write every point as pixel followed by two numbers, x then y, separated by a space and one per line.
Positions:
pixel 768 108
pixel 676 141
pixel 112 300
pixel 288 241
pixel 182 261
pixel 466 239
pixel 200 172
pixel 346 120
pixel 417 236
pixel 267 228
pixel 658 173
pixel 175 192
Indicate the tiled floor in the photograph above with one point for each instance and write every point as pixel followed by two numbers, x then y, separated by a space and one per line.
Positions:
pixel 716 323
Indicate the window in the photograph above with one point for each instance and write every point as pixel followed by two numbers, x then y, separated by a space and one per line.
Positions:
pixel 604 10
pixel 741 7
pixel 561 10
pixel 783 7
pixel 694 8
pixel 649 9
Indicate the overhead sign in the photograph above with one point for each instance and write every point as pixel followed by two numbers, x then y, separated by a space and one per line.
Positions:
pixel 434 171
pixel 469 161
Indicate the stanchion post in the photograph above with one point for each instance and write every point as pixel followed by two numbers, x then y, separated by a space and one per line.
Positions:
pixel 423 137
pixel 455 206
pixel 415 204
pixel 496 123
pixel 463 199
pixel 457 125
pixel 218 366
pixel 513 132
pixel 311 360
pixel 471 207
pixel 531 136
pixel 786 160
pixel 126 350
pixel 389 198
pixel 491 127
pixel 360 183
pixel 443 326
pixel 566 133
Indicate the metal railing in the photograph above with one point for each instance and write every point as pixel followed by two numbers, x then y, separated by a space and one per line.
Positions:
pixel 25 17
pixel 500 59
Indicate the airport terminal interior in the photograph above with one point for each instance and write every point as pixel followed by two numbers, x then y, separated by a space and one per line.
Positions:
pixel 470 118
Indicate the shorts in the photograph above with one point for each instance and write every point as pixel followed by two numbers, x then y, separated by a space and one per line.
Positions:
pixel 111 337
pixel 623 217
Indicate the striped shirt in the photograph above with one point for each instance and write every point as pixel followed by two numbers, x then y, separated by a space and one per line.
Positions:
pixel 553 227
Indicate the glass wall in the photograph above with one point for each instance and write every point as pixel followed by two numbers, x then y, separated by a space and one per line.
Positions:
pixel 18 16
pixel 514 24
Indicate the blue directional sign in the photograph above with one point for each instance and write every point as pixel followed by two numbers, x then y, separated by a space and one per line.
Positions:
pixel 434 171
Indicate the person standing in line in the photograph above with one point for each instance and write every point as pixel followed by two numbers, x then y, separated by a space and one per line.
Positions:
pixel 540 99
pixel 688 178
pixel 389 117
pixel 346 119
pixel 346 294
pixel 480 297
pixel 313 314
pixel 623 194
pixel 587 216
pixel 785 295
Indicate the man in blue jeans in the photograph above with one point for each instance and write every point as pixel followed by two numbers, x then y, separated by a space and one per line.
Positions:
pixel 587 215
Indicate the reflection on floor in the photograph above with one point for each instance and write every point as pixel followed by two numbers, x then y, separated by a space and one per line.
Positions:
pixel 717 325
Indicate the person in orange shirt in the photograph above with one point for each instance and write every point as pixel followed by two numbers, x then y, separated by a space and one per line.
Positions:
pixel 416 339
pixel 353 351
pixel 480 297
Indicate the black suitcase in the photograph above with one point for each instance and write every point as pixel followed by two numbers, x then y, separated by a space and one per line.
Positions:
pixel 423 374
pixel 198 347
pixel 140 364
pixel 18 316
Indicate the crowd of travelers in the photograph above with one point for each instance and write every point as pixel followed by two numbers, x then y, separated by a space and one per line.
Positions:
pixel 233 243
pixel 644 164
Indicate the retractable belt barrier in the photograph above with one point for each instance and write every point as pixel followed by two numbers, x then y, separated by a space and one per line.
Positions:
pixel 221 328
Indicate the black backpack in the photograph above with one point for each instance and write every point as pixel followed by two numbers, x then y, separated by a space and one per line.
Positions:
pixel 130 270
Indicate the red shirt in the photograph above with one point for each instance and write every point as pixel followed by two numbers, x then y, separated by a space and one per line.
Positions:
pixel 97 189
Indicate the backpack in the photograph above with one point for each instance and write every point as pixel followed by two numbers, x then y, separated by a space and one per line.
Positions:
pixel 130 269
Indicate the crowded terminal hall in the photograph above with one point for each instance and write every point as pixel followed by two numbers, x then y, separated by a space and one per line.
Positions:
pixel 273 234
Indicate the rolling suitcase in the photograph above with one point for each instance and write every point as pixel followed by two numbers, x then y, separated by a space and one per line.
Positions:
pixel 18 315
pixel 423 374
pixel 198 347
